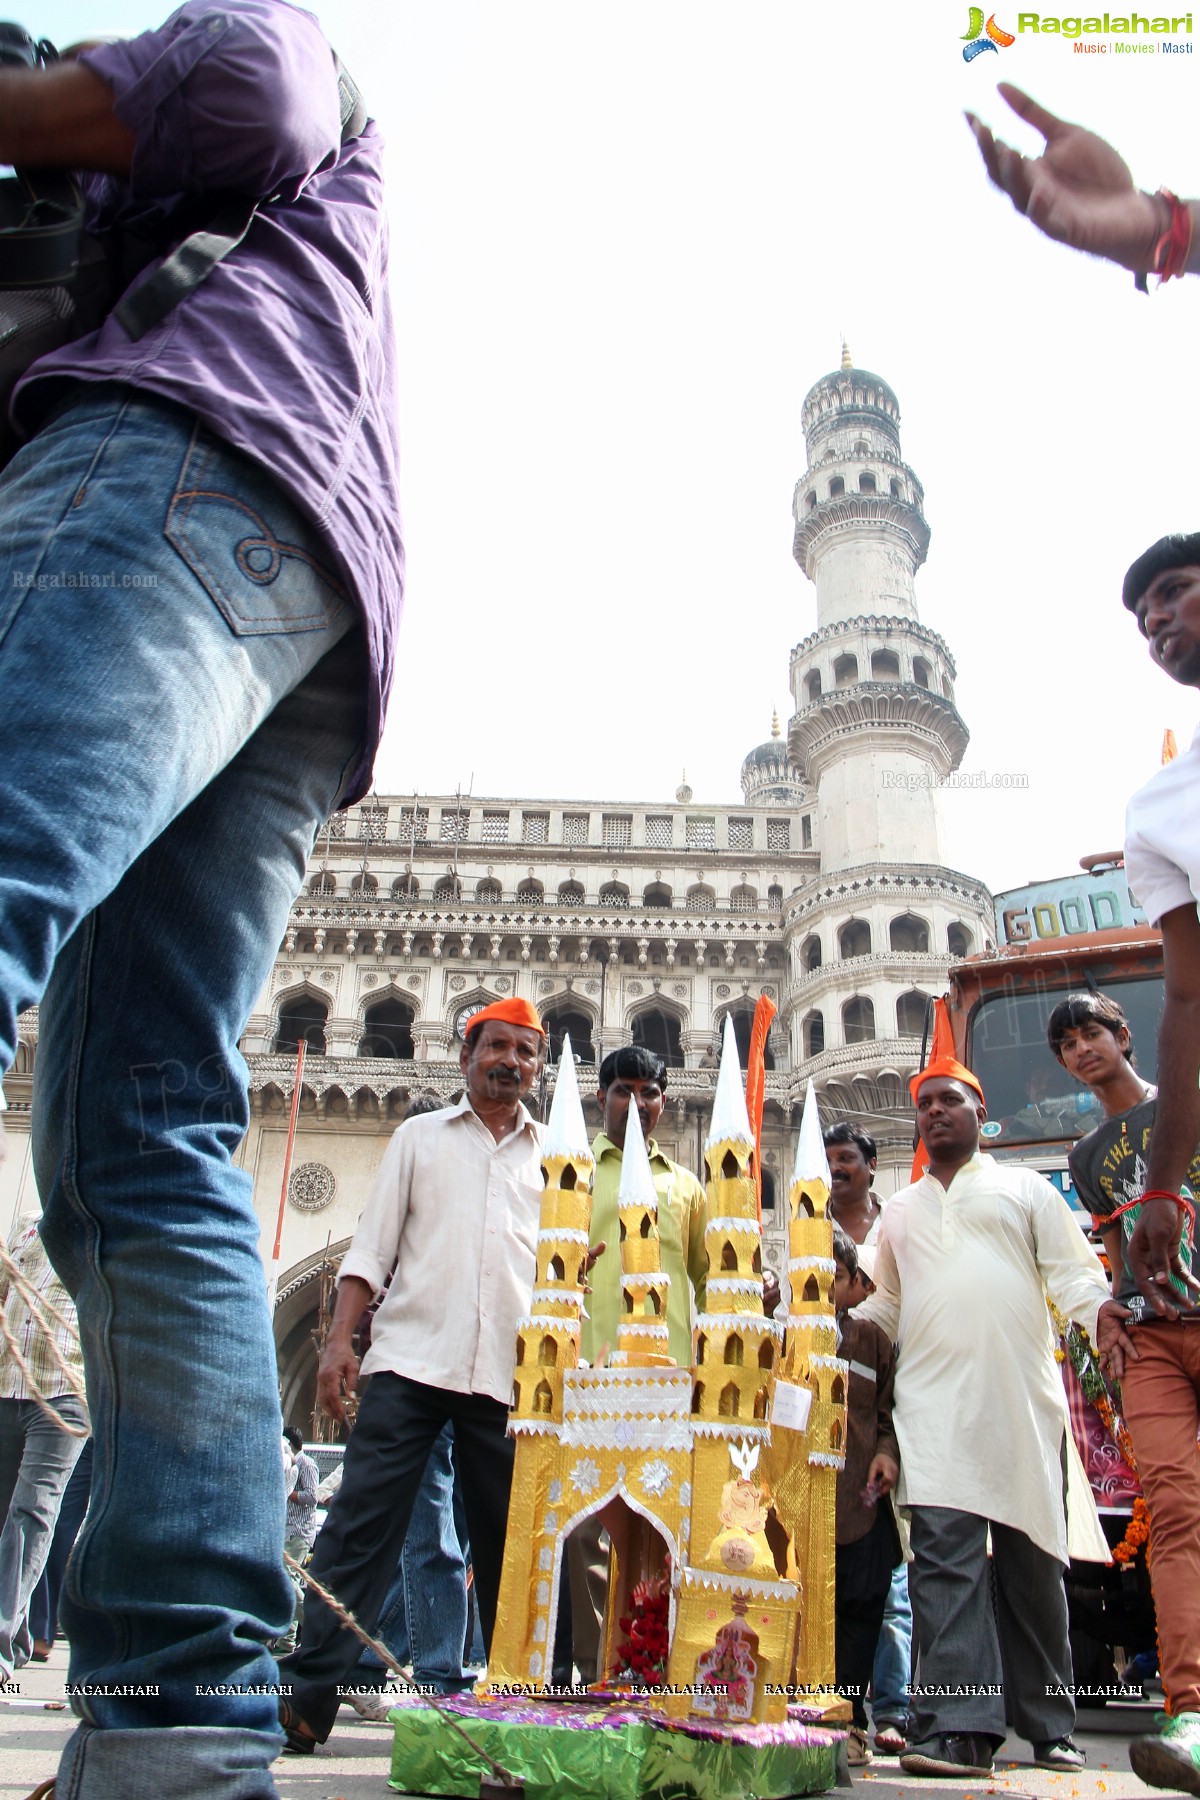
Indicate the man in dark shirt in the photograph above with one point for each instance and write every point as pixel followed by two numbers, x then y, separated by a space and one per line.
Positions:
pixel 1090 1036
pixel 200 573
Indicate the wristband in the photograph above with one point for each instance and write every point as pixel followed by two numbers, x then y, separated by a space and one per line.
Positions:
pixel 1172 250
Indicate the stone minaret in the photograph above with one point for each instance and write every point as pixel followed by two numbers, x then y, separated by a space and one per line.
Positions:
pixel 875 726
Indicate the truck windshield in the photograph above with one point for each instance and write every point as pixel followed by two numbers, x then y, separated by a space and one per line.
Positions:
pixel 1029 1093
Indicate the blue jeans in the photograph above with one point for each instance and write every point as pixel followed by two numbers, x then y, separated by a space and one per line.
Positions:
pixel 424 1617
pixel 36 1459
pixel 43 1604
pixel 893 1656
pixel 184 686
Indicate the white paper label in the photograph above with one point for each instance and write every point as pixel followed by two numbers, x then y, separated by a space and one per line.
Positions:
pixel 790 1406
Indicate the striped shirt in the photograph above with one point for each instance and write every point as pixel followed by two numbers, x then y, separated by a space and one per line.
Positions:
pixel 36 1332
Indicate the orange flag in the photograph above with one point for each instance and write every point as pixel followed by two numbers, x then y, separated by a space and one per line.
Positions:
pixel 756 1082
pixel 1170 747
pixel 942 1045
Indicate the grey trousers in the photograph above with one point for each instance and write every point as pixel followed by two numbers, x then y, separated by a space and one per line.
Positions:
pixel 973 1655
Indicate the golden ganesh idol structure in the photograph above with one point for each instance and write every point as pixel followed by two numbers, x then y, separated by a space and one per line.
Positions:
pixel 715 1483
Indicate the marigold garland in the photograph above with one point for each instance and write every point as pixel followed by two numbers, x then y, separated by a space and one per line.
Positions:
pixel 1137 1533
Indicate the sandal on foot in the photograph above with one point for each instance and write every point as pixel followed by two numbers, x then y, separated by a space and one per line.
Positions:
pixel 301 1739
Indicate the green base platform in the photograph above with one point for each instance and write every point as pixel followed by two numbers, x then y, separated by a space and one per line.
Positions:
pixel 585 1751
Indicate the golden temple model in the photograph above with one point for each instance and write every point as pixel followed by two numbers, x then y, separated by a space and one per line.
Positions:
pixel 701 1503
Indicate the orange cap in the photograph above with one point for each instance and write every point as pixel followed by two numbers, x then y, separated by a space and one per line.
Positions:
pixel 512 1012
pixel 948 1066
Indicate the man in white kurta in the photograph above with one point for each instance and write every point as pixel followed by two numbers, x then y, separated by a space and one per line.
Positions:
pixel 965 1260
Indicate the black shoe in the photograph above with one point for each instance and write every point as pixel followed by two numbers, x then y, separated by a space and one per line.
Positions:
pixel 1059 1753
pixel 954 1753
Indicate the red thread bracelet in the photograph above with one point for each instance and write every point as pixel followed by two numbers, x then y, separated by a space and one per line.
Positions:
pixel 1173 248
pixel 1166 1194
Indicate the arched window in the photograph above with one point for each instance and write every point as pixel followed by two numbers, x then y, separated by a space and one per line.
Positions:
pixel 845 670
pixel 323 885
pixel 489 892
pixel 866 483
pixel 761 1400
pixel 614 893
pixel 910 1014
pixel 448 890
pixel 734 1348
pixel 768 1191
pixel 657 897
pixel 743 898
pixel 813 1033
pixel 406 887
pixel 810 500
pixel 364 884
pixel 543 1397
pixel 530 893
pixel 909 934
pixel 921 672
pixel 659 1031
pixel 947 687
pixel 854 939
pixel 958 940
pixel 743 1025
pixel 837 486
pixel 571 893
pixel 304 1017
pixel 727 1405
pixel 885 665
pixel 812 684
pixel 774 898
pixel 387 1030
pixel 858 1021
pixel 563 1021
pixel 701 899
pixel 897 492
pixel 810 954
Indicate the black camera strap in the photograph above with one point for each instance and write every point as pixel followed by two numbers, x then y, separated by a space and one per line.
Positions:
pixel 192 261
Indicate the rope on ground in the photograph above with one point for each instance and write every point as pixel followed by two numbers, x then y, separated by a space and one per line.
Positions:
pixel 47 1316
pixel 389 1662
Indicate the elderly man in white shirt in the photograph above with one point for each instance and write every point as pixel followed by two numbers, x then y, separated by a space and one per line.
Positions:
pixel 965 1258
pixel 454 1210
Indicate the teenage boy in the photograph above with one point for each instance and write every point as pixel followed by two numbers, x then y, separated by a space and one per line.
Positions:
pixel 868 1545
pixel 1090 1036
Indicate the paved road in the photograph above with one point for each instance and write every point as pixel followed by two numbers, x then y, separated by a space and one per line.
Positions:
pixel 354 1764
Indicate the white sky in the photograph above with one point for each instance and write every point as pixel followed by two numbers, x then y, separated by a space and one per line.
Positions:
pixel 626 240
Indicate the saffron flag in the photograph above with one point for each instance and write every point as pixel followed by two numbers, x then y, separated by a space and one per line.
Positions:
pixel 942 1045
pixel 756 1082
pixel 1170 748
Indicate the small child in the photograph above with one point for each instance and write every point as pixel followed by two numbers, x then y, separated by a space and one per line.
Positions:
pixel 868 1545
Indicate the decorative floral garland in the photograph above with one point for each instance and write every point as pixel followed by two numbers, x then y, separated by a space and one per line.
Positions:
pixel 1092 1380
pixel 1137 1533
pixel 643 1653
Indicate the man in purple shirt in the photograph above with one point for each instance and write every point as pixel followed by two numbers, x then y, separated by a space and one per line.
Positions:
pixel 200 576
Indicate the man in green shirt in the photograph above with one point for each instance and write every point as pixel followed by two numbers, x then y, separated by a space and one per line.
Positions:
pixel 632 1076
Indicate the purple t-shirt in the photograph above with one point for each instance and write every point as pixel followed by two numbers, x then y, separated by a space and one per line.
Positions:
pixel 286 350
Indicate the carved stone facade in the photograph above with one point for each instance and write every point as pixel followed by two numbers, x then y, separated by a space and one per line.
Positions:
pixel 645 919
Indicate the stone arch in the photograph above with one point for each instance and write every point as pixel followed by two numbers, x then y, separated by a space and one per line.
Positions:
pixel 701 898
pixel 568 1016
pixel 837 487
pixel 959 940
pixel 866 482
pixel 447 890
pixel 530 892
pixel 488 892
pixel 810 953
pixel 858 1020
pixel 406 887
pixel 743 898
pixel 387 1023
pixel 571 893
pixel 659 1027
pixel 364 886
pixel 297 1313
pixel 614 893
pixel 303 1013
pixel 910 1013
pixel 812 1033
pixel 812 684
pixel 845 669
pixel 921 672
pixel 658 897
pixel 323 884
pixel 885 665
pixel 909 935
pixel 854 939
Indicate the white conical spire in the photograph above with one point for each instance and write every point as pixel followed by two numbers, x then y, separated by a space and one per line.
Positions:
pixel 566 1133
pixel 637 1183
pixel 812 1164
pixel 730 1120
